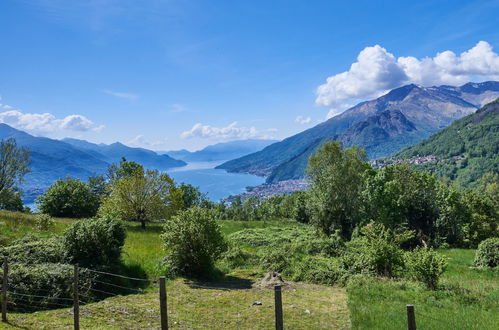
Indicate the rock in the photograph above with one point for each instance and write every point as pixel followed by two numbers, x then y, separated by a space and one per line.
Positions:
pixel 257 303
pixel 307 311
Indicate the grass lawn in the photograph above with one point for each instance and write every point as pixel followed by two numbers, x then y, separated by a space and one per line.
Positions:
pixel 468 298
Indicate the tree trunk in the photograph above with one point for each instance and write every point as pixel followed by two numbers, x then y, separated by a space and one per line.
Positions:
pixel 143 224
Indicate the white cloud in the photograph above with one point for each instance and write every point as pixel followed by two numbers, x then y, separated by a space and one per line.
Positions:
pixel 121 95
pixel 42 123
pixel 140 141
pixel 302 120
pixel 376 71
pixel 230 132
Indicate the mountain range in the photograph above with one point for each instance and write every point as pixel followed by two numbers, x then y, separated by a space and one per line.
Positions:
pixel 221 151
pixel 383 126
pixel 463 152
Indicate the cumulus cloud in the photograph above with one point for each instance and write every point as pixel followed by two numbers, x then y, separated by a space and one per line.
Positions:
pixel 377 71
pixel 230 132
pixel 41 123
pixel 140 141
pixel 303 120
pixel 121 95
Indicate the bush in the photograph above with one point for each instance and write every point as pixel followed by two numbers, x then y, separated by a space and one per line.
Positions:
pixel 332 246
pixel 275 260
pixel 193 241
pixel 95 243
pixel 32 250
pixel 376 251
pixel 425 265
pixel 49 280
pixel 236 257
pixel 487 254
pixel 44 221
pixel 320 270
pixel 69 198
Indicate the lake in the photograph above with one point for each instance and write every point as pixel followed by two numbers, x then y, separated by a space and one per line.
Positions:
pixel 217 184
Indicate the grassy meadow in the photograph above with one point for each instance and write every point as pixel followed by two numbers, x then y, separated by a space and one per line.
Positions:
pixel 467 298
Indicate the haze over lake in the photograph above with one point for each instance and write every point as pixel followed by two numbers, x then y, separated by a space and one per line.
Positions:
pixel 217 184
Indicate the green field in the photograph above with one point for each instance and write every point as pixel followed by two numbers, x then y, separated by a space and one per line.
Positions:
pixel 467 298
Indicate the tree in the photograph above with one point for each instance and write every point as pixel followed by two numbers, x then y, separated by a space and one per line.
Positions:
pixel 191 196
pixel 142 196
pixel 14 165
pixel 10 200
pixel 124 169
pixel 70 198
pixel 336 180
pixel 193 241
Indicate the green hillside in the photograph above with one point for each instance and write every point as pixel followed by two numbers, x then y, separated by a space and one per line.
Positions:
pixel 465 150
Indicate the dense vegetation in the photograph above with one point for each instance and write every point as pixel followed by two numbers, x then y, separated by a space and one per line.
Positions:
pixel 466 150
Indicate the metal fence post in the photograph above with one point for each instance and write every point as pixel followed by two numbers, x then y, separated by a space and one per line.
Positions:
pixel 4 288
pixel 162 303
pixel 76 299
pixel 411 318
pixel 278 308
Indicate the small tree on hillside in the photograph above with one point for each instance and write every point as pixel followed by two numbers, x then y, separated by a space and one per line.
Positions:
pixel 143 196
pixel 68 198
pixel 337 178
pixel 14 165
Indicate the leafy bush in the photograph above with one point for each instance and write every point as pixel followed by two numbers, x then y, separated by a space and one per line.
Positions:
pixel 375 251
pixel 69 198
pixel 275 260
pixel 50 280
pixel 425 265
pixel 237 257
pixel 319 270
pixel 193 241
pixel 332 246
pixel 44 221
pixel 32 250
pixel 487 254
pixel 95 243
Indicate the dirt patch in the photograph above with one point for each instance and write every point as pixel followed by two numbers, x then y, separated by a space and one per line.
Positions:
pixel 269 281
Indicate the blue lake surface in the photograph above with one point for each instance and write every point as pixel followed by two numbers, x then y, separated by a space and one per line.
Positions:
pixel 217 184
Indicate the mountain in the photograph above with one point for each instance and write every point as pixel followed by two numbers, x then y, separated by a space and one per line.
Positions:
pixel 385 125
pixel 112 153
pixel 54 159
pixel 222 151
pixel 463 151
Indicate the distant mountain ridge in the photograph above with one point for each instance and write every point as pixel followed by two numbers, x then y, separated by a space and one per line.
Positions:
pixel 221 151
pixel 54 159
pixel 400 118
pixel 463 151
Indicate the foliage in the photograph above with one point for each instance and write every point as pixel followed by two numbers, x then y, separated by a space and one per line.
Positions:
pixel 300 211
pixel 319 270
pixel 193 242
pixel 332 246
pixel 95 243
pixel 14 162
pixel 45 283
pixel 337 179
pixel 10 200
pixel 235 257
pixel 69 198
pixel 275 260
pixel 273 236
pixel 44 221
pixel 142 196
pixel 483 218
pixel 425 265
pixel 32 250
pixel 377 251
pixel 487 254
pixel 191 196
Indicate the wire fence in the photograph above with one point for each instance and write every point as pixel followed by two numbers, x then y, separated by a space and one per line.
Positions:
pixel 173 310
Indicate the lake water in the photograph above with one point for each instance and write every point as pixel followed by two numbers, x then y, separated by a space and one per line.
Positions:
pixel 217 184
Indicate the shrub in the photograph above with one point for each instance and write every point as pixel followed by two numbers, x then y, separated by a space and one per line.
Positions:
pixel 32 250
pixel 69 198
pixel 376 251
pixel 487 254
pixel 44 221
pixel 332 246
pixel 236 257
pixel 49 280
pixel 425 265
pixel 275 260
pixel 193 241
pixel 95 243
pixel 319 270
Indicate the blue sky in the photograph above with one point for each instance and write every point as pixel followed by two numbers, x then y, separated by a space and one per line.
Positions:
pixel 184 74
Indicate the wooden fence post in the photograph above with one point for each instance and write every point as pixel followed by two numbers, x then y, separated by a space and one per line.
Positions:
pixel 278 308
pixel 411 318
pixel 162 303
pixel 76 299
pixel 4 289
